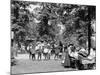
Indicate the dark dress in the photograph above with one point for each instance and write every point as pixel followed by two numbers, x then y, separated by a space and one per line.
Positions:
pixel 67 60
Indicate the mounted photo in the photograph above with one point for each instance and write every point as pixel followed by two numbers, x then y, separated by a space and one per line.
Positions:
pixel 52 37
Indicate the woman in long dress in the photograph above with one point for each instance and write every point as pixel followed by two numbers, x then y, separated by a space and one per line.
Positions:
pixel 66 63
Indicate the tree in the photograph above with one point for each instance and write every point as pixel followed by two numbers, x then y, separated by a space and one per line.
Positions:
pixel 40 20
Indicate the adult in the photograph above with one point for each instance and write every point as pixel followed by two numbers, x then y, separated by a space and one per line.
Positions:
pixel 66 63
pixel 89 61
pixel 81 55
pixel 73 56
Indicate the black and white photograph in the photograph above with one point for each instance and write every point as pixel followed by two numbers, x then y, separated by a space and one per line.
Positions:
pixel 52 37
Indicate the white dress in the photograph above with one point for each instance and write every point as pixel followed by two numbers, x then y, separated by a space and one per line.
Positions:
pixel 46 50
pixel 91 58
